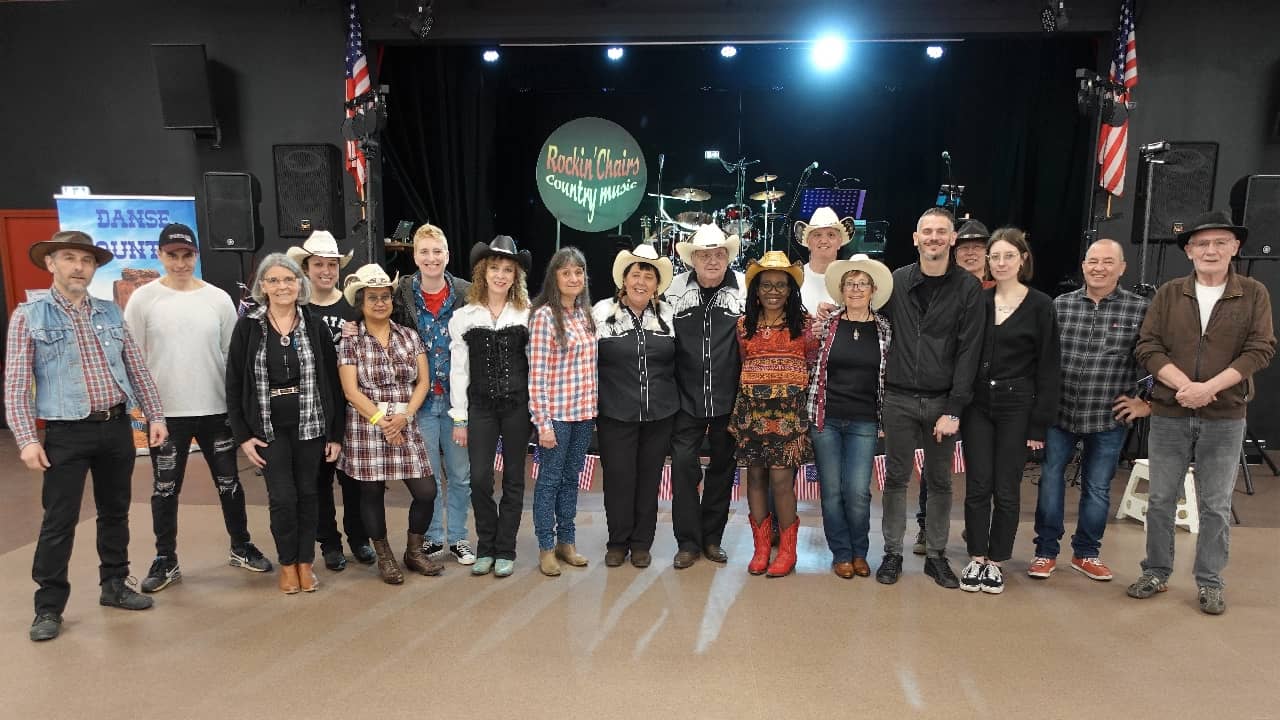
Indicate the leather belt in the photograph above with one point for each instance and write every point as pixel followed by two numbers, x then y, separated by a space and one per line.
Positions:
pixel 112 413
pixel 277 392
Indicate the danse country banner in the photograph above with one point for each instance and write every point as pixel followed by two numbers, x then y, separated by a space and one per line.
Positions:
pixel 128 226
pixel 591 174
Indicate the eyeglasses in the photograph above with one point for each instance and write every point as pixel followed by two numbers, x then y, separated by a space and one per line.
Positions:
pixel 857 285
pixel 1003 257
pixel 274 281
pixel 377 299
pixel 1217 243
pixel 773 287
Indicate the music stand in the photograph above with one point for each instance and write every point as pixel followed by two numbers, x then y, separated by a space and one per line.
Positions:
pixel 846 203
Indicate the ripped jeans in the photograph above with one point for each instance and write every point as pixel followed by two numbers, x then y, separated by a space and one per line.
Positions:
pixel 169 466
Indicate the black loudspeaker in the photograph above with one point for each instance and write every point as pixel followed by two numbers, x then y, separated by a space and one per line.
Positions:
pixel 183 77
pixel 231 212
pixel 1255 203
pixel 1181 188
pixel 308 190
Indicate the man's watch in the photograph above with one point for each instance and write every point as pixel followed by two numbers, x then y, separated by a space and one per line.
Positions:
pixel 953 418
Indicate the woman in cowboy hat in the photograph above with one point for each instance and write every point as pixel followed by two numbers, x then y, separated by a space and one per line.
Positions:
pixel 562 401
pixel 322 262
pixel 637 347
pixel 823 236
pixel 489 394
pixel 383 367
pixel 285 407
pixel 769 417
pixel 844 405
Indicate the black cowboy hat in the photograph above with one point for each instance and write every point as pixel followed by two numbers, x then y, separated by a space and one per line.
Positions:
pixel 501 246
pixel 1212 220
pixel 971 231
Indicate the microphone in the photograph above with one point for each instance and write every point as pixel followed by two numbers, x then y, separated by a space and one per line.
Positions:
pixel 661 159
pixel 814 166
pixel 1155 147
pixel 946 156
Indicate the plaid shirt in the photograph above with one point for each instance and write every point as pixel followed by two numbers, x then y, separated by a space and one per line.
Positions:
pixel 387 375
pixel 311 420
pixel 562 381
pixel 99 385
pixel 1097 356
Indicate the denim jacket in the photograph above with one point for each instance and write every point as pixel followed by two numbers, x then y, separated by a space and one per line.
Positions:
pixel 60 390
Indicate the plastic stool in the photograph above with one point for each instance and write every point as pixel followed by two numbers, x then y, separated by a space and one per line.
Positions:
pixel 1134 503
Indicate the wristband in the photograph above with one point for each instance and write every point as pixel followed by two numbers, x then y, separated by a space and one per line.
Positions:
pixel 459 423
pixel 373 419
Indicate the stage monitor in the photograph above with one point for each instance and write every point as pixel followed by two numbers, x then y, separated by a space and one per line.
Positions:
pixel 183 79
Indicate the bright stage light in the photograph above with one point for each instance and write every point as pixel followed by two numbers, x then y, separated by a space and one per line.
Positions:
pixel 829 52
pixel 614 53
pixel 933 51
pixel 728 51
pixel 490 56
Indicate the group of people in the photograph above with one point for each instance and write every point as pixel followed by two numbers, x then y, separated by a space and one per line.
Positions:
pixel 422 379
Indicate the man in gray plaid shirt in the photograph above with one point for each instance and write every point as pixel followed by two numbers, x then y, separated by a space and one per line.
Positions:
pixel 1099 326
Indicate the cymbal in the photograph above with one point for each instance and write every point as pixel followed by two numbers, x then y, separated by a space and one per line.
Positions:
pixel 668 197
pixel 691 194
pixel 768 195
pixel 767 177
pixel 692 219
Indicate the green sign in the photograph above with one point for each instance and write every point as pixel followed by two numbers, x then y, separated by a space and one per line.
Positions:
pixel 591 174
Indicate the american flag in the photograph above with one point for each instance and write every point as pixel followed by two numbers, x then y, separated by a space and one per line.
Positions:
pixel 664 485
pixel 497 459
pixel 919 461
pixel 878 468
pixel 535 462
pixel 957 460
pixel 736 494
pixel 588 472
pixel 1113 141
pixel 807 485
pixel 357 85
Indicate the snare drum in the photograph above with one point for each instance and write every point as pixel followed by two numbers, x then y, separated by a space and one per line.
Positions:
pixel 734 219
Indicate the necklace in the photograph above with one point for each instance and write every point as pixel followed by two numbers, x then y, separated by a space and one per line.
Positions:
pixel 856 334
pixel 286 338
pixel 767 327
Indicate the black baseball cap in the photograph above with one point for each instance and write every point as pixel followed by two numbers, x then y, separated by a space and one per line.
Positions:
pixel 178 234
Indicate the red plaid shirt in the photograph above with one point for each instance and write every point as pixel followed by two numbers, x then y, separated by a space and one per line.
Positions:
pixel 562 381
pixel 102 389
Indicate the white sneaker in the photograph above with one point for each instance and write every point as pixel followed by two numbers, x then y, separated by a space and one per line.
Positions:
pixel 462 551
pixel 971 576
pixel 992 579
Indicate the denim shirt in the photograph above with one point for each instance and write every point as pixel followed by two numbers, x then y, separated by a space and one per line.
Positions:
pixel 60 390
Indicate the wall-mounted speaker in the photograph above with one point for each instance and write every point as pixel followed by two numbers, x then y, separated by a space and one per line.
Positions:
pixel 183 78
pixel 231 212
pixel 1255 203
pixel 1181 188
pixel 308 190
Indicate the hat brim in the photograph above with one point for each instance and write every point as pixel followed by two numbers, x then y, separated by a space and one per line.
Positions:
pixel 626 258
pixel 482 250
pixel 795 270
pixel 845 226
pixel 685 249
pixel 879 272
pixel 349 292
pixel 299 254
pixel 1241 232
pixel 38 251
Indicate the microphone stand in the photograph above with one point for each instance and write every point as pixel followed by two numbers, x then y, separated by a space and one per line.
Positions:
pixel 804 179
pixel 1143 287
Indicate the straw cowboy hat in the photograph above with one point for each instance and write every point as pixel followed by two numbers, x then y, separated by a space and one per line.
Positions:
pixel 776 260
pixel 880 275
pixel 321 244
pixel 707 237
pixel 1212 220
pixel 67 239
pixel 501 246
pixel 371 275
pixel 644 253
pixel 824 217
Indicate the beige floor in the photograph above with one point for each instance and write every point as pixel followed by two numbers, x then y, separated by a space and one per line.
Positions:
pixel 708 642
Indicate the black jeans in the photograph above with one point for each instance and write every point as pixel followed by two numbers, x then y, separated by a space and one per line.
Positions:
pixel 327 511
pixel 995 452
pixel 908 425
pixel 632 455
pixel 290 474
pixel 75 449
pixel 169 468
pixel 698 524
pixel 497 524
pixel 374 513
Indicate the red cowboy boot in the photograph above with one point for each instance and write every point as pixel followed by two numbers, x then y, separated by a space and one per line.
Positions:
pixel 760 535
pixel 785 562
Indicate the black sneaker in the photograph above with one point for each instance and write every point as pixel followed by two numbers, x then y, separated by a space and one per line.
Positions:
pixel 463 553
pixel 334 559
pixel 364 553
pixel 940 570
pixel 163 573
pixel 432 549
pixel 250 558
pixel 117 593
pixel 992 579
pixel 46 626
pixel 890 569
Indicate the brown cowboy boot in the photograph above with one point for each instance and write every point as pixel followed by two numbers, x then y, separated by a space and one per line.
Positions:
pixel 307 578
pixel 387 567
pixel 568 553
pixel 417 561
pixel 288 579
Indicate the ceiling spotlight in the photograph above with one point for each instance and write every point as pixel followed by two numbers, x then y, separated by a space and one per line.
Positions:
pixel 828 52
pixel 728 51
pixel 933 51
pixel 1054 16
pixel 614 53
pixel 490 56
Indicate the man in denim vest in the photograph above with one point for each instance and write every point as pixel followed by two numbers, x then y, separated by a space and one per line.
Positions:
pixel 85 368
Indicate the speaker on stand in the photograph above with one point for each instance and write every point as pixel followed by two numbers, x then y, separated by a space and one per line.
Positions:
pixel 231 217
pixel 1175 184
pixel 308 190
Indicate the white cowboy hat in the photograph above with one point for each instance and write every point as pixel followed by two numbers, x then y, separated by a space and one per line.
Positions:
pixel 321 244
pixel 708 237
pixel 824 217
pixel 371 275
pixel 879 272
pixel 644 253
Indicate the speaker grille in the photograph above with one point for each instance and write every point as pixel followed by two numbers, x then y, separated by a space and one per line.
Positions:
pixel 1255 202
pixel 308 190
pixel 1181 188
pixel 231 212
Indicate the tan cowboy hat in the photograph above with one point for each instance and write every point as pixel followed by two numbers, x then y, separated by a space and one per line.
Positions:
pixel 776 260
pixel 644 253
pixel 371 275
pixel 879 272
pixel 824 217
pixel 707 237
pixel 67 239
pixel 321 244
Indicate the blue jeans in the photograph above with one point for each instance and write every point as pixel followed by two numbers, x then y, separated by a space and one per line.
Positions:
pixel 1215 447
pixel 844 451
pixel 1097 468
pixel 437 431
pixel 555 494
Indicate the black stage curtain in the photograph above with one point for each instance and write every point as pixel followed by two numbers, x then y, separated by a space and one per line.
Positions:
pixel 465 136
